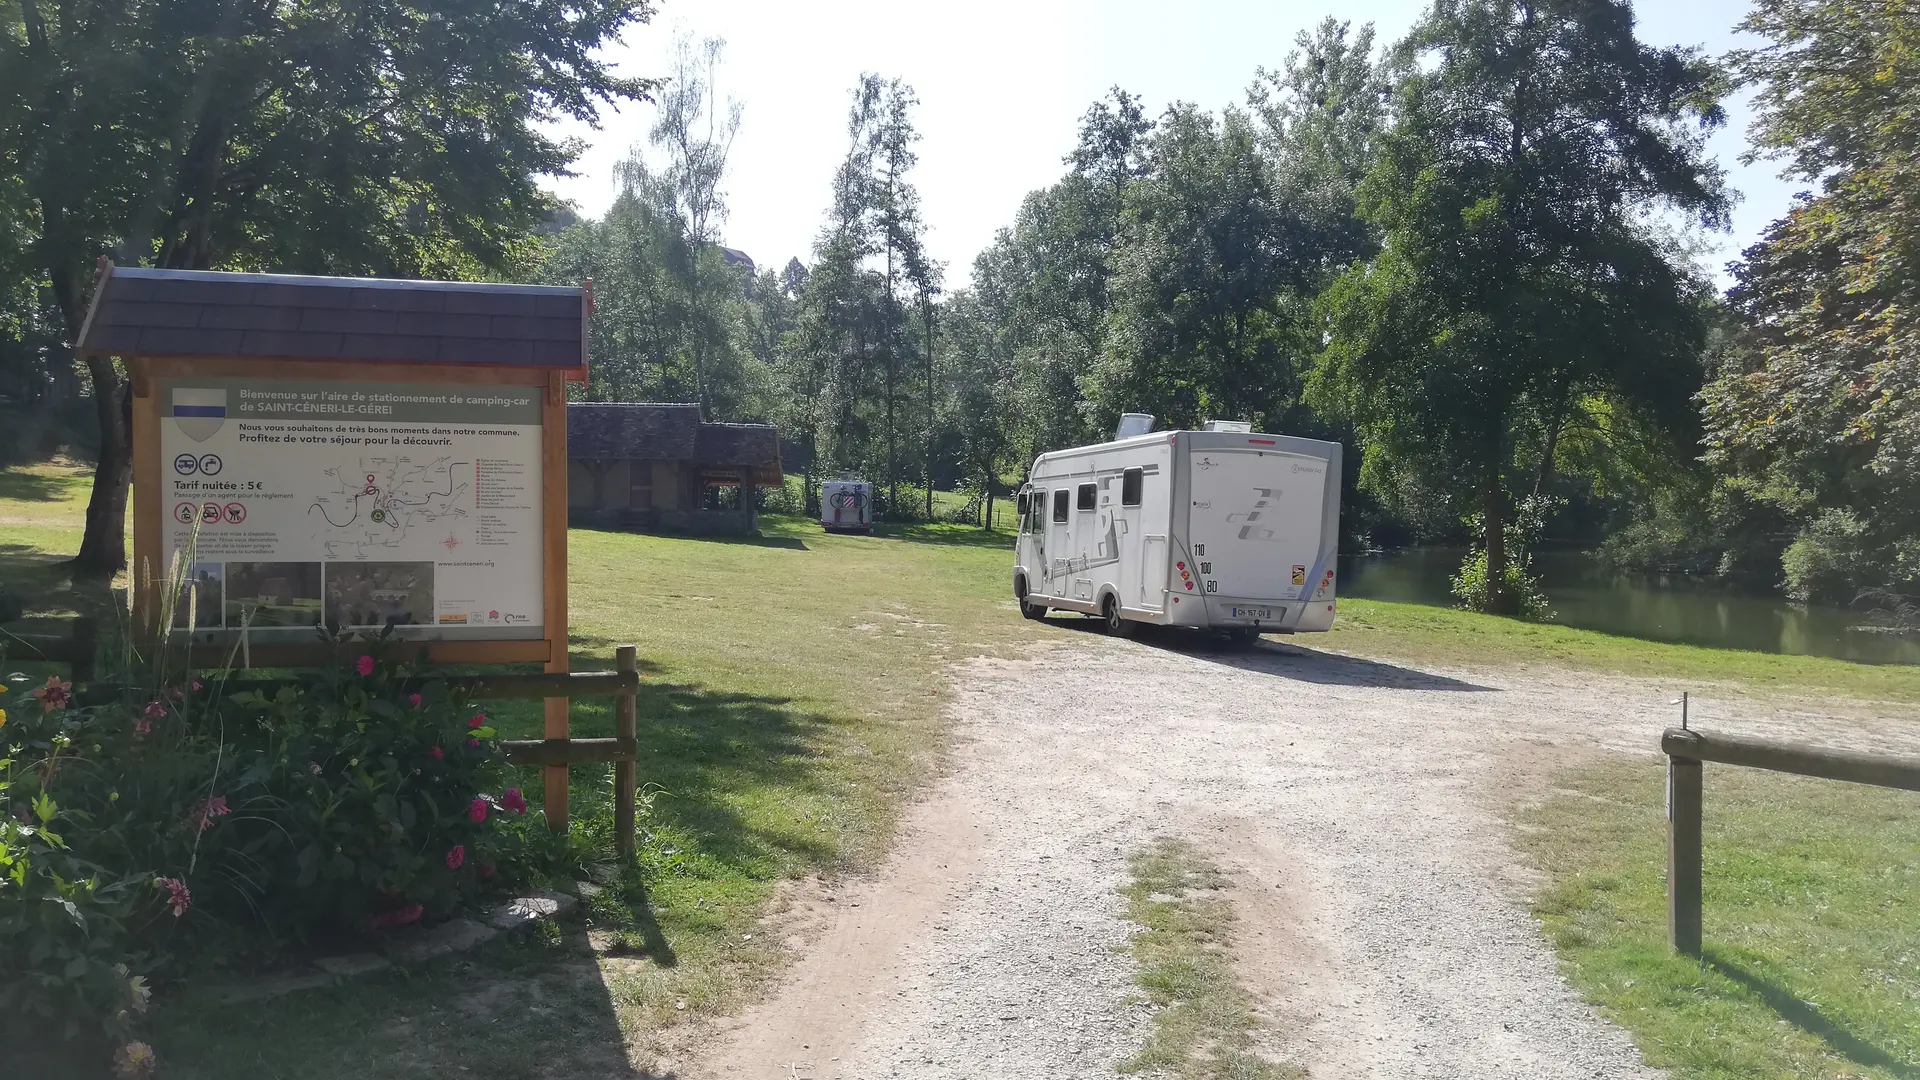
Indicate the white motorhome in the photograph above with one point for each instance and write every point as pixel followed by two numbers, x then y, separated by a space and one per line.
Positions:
pixel 1225 528
pixel 846 505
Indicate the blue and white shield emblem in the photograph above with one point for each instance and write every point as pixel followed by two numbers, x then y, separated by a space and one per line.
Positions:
pixel 199 412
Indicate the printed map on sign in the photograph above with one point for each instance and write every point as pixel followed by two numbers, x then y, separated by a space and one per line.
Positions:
pixel 378 501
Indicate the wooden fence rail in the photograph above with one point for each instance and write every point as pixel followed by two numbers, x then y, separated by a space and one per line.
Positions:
pixel 79 649
pixel 1687 751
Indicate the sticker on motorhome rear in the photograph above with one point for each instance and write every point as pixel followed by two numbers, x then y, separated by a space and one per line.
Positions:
pixel 1299 574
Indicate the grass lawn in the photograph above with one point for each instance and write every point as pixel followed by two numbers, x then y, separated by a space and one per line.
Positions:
pixel 792 698
pixel 1812 921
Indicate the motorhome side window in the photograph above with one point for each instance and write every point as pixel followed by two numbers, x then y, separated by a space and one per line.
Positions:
pixel 1060 505
pixel 1088 496
pixel 1036 508
pixel 1130 487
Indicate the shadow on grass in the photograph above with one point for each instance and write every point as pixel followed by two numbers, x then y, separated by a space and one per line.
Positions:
pixel 34 487
pixel 948 536
pixel 791 543
pixel 1285 661
pixel 1810 1019
pixel 518 1006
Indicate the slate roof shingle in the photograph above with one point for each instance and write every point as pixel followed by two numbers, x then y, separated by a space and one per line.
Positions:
pixel 200 313
pixel 671 432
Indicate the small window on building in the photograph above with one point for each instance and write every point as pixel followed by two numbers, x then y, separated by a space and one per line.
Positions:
pixel 1060 505
pixel 1089 496
pixel 1130 487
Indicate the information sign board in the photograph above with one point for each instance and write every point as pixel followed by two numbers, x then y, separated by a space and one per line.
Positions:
pixel 361 505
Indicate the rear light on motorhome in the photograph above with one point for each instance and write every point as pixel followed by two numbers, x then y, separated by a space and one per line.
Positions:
pixel 1261 442
pixel 1189 586
pixel 1179 566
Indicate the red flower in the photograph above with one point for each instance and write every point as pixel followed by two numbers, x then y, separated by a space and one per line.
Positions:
pixel 478 720
pixel 436 753
pixel 55 695
pixel 456 855
pixel 178 898
pixel 365 665
pixel 413 700
pixel 473 744
pixel 155 710
pixel 514 801
pixel 206 810
pixel 386 920
pixel 477 809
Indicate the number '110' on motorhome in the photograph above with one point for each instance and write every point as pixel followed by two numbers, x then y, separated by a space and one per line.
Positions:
pixel 1224 528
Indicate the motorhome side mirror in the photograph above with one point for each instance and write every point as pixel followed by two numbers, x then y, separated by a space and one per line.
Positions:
pixel 1023 504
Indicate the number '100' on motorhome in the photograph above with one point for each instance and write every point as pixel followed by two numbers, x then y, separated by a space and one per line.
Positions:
pixel 1224 529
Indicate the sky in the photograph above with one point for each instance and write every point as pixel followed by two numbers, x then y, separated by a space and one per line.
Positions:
pixel 1002 85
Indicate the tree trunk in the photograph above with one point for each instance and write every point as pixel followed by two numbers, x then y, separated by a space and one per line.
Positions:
pixel 1493 512
pixel 1545 472
pixel 926 320
pixel 103 547
pixel 989 524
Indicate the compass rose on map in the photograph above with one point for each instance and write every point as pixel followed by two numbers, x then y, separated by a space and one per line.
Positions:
pixel 450 543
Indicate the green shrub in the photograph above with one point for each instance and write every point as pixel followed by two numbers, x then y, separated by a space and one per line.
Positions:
pixel 174 828
pixel 1470 582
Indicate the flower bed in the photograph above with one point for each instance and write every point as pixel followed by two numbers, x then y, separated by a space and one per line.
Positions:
pixel 174 828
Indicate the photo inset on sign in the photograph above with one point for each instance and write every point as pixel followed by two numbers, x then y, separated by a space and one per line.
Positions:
pixel 273 593
pixel 379 593
pixel 199 599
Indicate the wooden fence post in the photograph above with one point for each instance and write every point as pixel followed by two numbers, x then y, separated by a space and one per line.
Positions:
pixel 624 708
pixel 1683 854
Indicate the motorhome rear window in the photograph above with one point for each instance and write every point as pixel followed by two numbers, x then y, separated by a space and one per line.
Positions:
pixel 1060 505
pixel 1130 487
pixel 1088 496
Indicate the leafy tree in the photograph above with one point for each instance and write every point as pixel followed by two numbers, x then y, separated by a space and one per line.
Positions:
pixel 399 137
pixel 1201 323
pixel 1517 276
pixel 1818 413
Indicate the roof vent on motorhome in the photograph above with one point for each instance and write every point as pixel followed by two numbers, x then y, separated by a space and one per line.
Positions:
pixel 1240 427
pixel 1133 424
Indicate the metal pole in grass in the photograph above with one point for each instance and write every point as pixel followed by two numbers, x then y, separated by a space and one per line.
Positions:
pixel 624 708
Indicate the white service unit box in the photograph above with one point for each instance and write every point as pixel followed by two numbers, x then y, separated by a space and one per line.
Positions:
pixel 1222 529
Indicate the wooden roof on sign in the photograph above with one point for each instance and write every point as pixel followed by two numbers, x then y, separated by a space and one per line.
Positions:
pixel 205 314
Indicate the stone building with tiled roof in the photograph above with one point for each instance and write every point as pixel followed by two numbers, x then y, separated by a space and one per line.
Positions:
pixel 660 466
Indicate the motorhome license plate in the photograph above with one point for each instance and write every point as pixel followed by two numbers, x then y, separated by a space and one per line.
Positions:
pixel 1252 613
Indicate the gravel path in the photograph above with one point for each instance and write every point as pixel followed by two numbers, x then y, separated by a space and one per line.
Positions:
pixel 1352 802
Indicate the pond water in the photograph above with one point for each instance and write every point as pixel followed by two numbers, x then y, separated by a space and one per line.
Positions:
pixel 1658 607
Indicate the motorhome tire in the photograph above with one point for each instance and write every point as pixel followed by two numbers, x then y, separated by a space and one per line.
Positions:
pixel 1116 624
pixel 1031 610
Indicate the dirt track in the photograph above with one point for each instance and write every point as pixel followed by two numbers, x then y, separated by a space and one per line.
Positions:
pixel 1354 803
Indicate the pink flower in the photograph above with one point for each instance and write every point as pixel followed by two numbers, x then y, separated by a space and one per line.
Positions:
pixel 436 753
pixel 55 695
pixel 206 810
pixel 413 700
pixel 398 917
pixel 478 720
pixel 364 666
pixel 456 855
pixel 155 710
pixel 514 801
pixel 196 686
pixel 477 809
pixel 142 726
pixel 178 898
pixel 473 744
